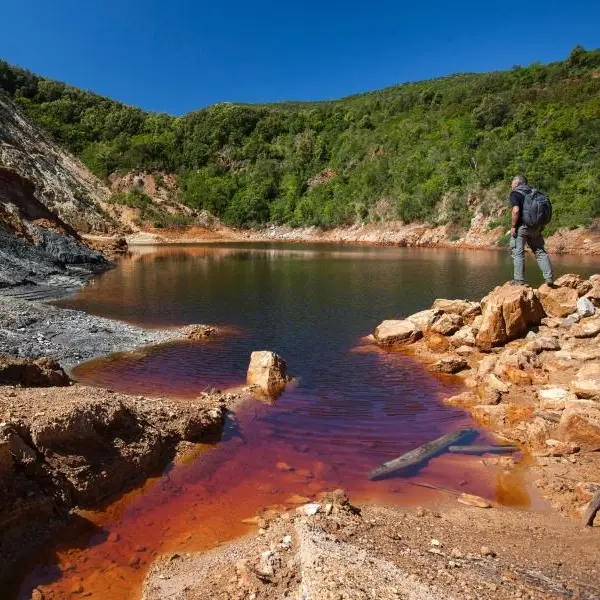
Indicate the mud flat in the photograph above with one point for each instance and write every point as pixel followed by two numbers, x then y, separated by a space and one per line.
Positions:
pixel 33 329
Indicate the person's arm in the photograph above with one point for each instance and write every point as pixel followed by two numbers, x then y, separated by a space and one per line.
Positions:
pixel 514 219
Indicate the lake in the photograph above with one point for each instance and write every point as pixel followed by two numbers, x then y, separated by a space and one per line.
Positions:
pixel 350 407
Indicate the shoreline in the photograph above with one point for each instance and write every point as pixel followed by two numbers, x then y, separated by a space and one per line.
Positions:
pixel 64 445
pixel 205 417
pixel 538 387
pixel 581 241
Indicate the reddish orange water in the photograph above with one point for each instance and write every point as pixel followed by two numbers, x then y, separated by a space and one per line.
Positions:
pixel 349 410
pixel 203 501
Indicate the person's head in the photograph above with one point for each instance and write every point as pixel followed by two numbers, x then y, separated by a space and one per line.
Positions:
pixel 518 180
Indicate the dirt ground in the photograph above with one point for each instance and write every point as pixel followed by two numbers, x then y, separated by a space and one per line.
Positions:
pixel 76 446
pixel 380 552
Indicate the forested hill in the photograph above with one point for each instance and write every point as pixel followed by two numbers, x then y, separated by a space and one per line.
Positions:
pixel 416 151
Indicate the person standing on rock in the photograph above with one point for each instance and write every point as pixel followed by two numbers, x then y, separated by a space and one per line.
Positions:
pixel 531 211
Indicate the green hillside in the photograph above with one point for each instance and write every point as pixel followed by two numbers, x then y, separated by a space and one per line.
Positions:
pixel 394 153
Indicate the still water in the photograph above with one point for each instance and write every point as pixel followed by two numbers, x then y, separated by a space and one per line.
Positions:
pixel 351 406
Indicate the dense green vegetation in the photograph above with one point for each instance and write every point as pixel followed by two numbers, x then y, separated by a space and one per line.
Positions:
pixel 394 153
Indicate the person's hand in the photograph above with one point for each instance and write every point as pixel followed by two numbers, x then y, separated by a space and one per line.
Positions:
pixel 513 231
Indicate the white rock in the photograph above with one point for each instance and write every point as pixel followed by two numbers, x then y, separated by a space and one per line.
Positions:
pixel 554 398
pixel 392 332
pixel 425 319
pixel 585 308
pixel 286 542
pixel 309 510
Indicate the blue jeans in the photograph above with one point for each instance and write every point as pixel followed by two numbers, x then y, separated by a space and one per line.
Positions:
pixel 534 239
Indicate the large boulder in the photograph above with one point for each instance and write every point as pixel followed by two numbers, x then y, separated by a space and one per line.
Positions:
pixel 42 372
pixel 464 308
pixel 508 312
pixel 425 319
pixel 558 301
pixel 586 383
pixel 267 372
pixel 395 332
pixel 447 324
pixel 580 423
pixel 574 282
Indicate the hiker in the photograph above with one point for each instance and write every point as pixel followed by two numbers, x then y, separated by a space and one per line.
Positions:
pixel 531 211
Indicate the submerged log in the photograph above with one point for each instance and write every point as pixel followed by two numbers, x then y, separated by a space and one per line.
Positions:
pixel 414 458
pixel 483 449
pixel 592 509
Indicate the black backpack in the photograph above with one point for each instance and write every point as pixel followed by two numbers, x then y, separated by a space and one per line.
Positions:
pixel 537 209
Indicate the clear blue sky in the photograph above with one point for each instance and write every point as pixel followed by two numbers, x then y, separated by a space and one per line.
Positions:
pixel 180 55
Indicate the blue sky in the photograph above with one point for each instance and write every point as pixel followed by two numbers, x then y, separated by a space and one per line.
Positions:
pixel 180 55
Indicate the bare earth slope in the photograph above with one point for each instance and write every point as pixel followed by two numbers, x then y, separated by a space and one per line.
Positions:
pixel 47 197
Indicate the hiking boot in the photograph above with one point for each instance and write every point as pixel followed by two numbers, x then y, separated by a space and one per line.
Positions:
pixel 551 284
pixel 516 282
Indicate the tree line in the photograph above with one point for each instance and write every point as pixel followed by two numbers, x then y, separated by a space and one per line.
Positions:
pixel 415 151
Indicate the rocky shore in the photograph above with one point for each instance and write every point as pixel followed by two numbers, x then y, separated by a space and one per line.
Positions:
pixel 530 362
pixel 63 448
pixel 64 445
pixel 482 234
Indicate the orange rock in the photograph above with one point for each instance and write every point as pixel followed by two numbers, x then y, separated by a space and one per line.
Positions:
pixel 490 415
pixel 436 342
pixel 558 302
pixel 516 376
pixel 508 311
pixel 580 423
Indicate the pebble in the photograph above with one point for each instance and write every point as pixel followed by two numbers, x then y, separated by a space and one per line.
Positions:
pixel 486 551
pixel 435 542
pixel 113 536
pixel 309 509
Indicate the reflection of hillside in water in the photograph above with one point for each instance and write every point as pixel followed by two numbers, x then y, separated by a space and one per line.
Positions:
pixel 176 285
